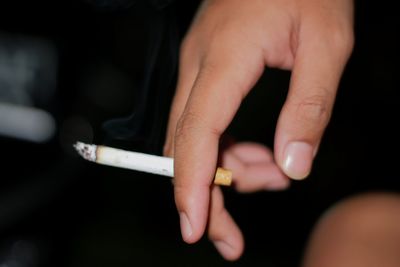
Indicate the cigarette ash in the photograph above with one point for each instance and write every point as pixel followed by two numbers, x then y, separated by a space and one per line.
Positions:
pixel 88 152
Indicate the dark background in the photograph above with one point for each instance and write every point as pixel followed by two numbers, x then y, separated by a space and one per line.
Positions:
pixel 57 210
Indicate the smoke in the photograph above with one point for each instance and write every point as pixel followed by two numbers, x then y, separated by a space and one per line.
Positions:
pixel 146 124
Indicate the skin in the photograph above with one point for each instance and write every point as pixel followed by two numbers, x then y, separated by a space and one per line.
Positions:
pixel 223 55
pixel 362 231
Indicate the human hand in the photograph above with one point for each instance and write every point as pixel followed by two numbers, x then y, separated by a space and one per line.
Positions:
pixel 223 55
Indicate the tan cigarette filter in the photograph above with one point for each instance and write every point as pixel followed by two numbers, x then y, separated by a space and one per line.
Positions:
pixel 223 177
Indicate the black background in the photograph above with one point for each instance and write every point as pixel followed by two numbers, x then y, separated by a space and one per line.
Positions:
pixel 66 212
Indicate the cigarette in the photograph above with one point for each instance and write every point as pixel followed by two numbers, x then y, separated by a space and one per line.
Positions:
pixel 139 161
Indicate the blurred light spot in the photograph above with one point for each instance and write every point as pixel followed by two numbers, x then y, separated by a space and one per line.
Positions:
pixel 75 129
pixel 28 70
pixel 26 123
pixel 21 254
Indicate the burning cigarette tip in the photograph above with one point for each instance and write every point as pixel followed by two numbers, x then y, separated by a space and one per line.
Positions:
pixel 88 152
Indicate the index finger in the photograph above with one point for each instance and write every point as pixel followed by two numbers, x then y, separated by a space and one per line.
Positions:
pixel 215 97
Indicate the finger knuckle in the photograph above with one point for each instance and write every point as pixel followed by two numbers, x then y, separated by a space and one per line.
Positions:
pixel 187 127
pixel 342 41
pixel 335 36
pixel 313 111
pixel 188 123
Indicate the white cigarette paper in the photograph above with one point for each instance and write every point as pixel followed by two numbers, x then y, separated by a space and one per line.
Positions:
pixel 139 161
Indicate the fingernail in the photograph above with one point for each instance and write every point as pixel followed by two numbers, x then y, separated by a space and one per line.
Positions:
pixel 224 248
pixel 186 227
pixel 297 160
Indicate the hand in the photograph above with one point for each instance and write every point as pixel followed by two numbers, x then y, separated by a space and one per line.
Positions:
pixel 223 55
